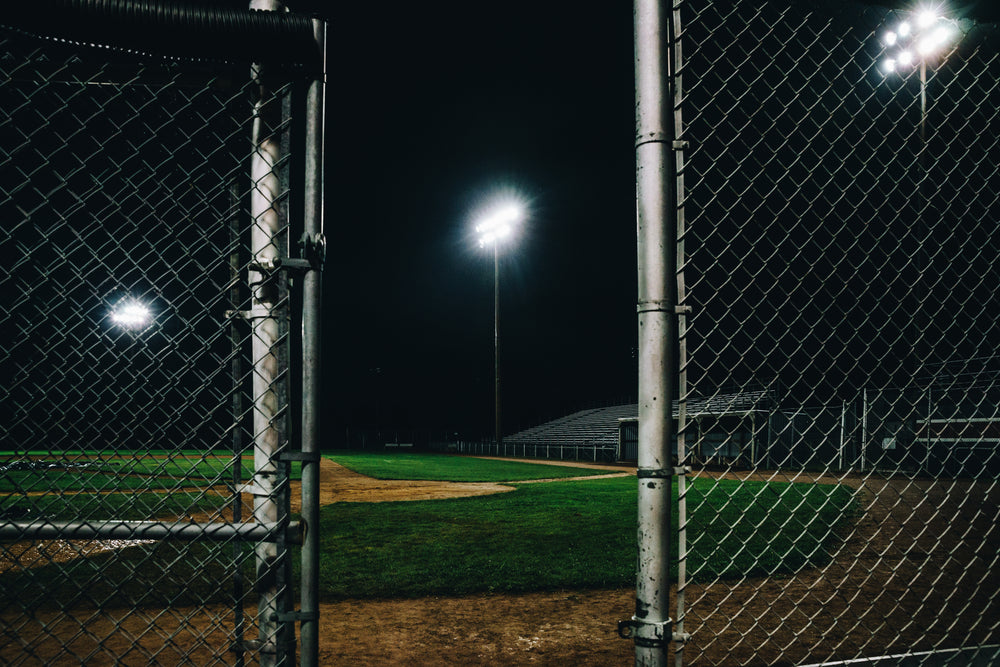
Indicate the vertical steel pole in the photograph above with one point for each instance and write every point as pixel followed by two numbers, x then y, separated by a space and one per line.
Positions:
pixel 657 324
pixel 311 330
pixel 679 635
pixel 266 229
pixel 496 339
pixel 236 367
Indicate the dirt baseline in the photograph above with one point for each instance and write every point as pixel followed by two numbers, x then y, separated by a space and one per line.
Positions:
pixel 882 593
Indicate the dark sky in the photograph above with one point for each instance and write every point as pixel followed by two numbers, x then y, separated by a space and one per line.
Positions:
pixel 433 107
pixel 433 110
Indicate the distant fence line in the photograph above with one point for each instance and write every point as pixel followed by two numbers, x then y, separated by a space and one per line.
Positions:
pixel 581 452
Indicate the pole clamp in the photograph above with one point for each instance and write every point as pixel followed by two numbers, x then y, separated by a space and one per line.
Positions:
pixel 313 249
pixel 663 306
pixel 252 314
pixel 313 255
pixel 655 473
pixel 294 616
pixel 645 633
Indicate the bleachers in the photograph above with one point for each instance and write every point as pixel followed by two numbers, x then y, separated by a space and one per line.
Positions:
pixel 597 426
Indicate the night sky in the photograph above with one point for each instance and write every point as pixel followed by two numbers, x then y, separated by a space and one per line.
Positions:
pixel 433 111
pixel 433 108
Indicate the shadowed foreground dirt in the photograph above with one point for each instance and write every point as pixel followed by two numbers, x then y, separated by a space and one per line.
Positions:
pixel 915 569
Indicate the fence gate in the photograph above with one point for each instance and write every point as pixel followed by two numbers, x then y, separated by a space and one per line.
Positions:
pixel 839 200
pixel 156 415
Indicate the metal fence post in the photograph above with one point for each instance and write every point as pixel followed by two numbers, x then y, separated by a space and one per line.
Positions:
pixel 650 628
pixel 311 327
pixel 266 229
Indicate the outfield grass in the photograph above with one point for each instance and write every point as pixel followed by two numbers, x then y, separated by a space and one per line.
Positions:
pixel 106 506
pixel 574 535
pixel 110 471
pixel 448 468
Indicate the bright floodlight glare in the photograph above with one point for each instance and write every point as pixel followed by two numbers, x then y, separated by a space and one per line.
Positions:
pixel 904 58
pixel 131 315
pixel 941 35
pixel 889 65
pixel 926 19
pixel 890 38
pixel 499 224
pixel 926 46
pixel 903 29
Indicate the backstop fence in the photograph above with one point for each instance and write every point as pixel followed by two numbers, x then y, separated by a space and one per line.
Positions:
pixel 837 207
pixel 162 245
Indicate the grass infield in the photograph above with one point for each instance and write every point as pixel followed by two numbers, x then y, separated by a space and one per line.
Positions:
pixel 447 468
pixel 570 535
pixel 566 535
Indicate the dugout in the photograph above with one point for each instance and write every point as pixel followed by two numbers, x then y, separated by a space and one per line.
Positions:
pixel 726 429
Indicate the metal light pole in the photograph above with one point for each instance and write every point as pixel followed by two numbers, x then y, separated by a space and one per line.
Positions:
pixel 497 225
pixel 920 39
pixel 496 343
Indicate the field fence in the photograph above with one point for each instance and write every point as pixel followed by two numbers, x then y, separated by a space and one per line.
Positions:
pixel 151 405
pixel 599 453
pixel 838 201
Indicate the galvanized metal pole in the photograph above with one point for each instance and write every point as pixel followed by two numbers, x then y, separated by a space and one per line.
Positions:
pixel 311 329
pixel 657 320
pixel 496 340
pixel 266 228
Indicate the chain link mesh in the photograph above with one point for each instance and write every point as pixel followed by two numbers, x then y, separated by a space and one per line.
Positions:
pixel 126 412
pixel 838 252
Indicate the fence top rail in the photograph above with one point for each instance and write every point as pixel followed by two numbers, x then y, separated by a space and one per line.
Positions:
pixel 172 29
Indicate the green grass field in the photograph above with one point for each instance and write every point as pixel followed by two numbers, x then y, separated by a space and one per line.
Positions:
pixel 562 535
pixel 575 534
pixel 131 471
pixel 446 468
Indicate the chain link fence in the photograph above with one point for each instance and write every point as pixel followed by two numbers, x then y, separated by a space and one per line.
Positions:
pixel 150 409
pixel 839 207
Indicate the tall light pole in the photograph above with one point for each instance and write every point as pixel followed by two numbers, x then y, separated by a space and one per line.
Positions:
pixel 496 226
pixel 913 43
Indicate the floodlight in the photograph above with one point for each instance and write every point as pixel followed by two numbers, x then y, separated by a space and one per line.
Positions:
pixel 926 19
pixel 904 57
pixel 889 65
pixel 499 223
pixel 131 314
pixel 941 35
pixel 903 29
pixel 890 38
pixel 926 46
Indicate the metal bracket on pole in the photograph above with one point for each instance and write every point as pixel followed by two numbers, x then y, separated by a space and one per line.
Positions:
pixel 645 633
pixel 680 145
pixel 313 250
pixel 252 314
pixel 294 616
pixel 661 473
pixel 255 490
pixel 272 264
pixel 662 306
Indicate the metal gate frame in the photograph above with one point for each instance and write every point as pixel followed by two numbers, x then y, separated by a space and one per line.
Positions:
pixel 154 30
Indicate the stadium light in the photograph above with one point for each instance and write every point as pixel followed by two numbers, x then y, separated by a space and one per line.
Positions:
pixel 131 314
pixel 916 42
pixel 496 224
